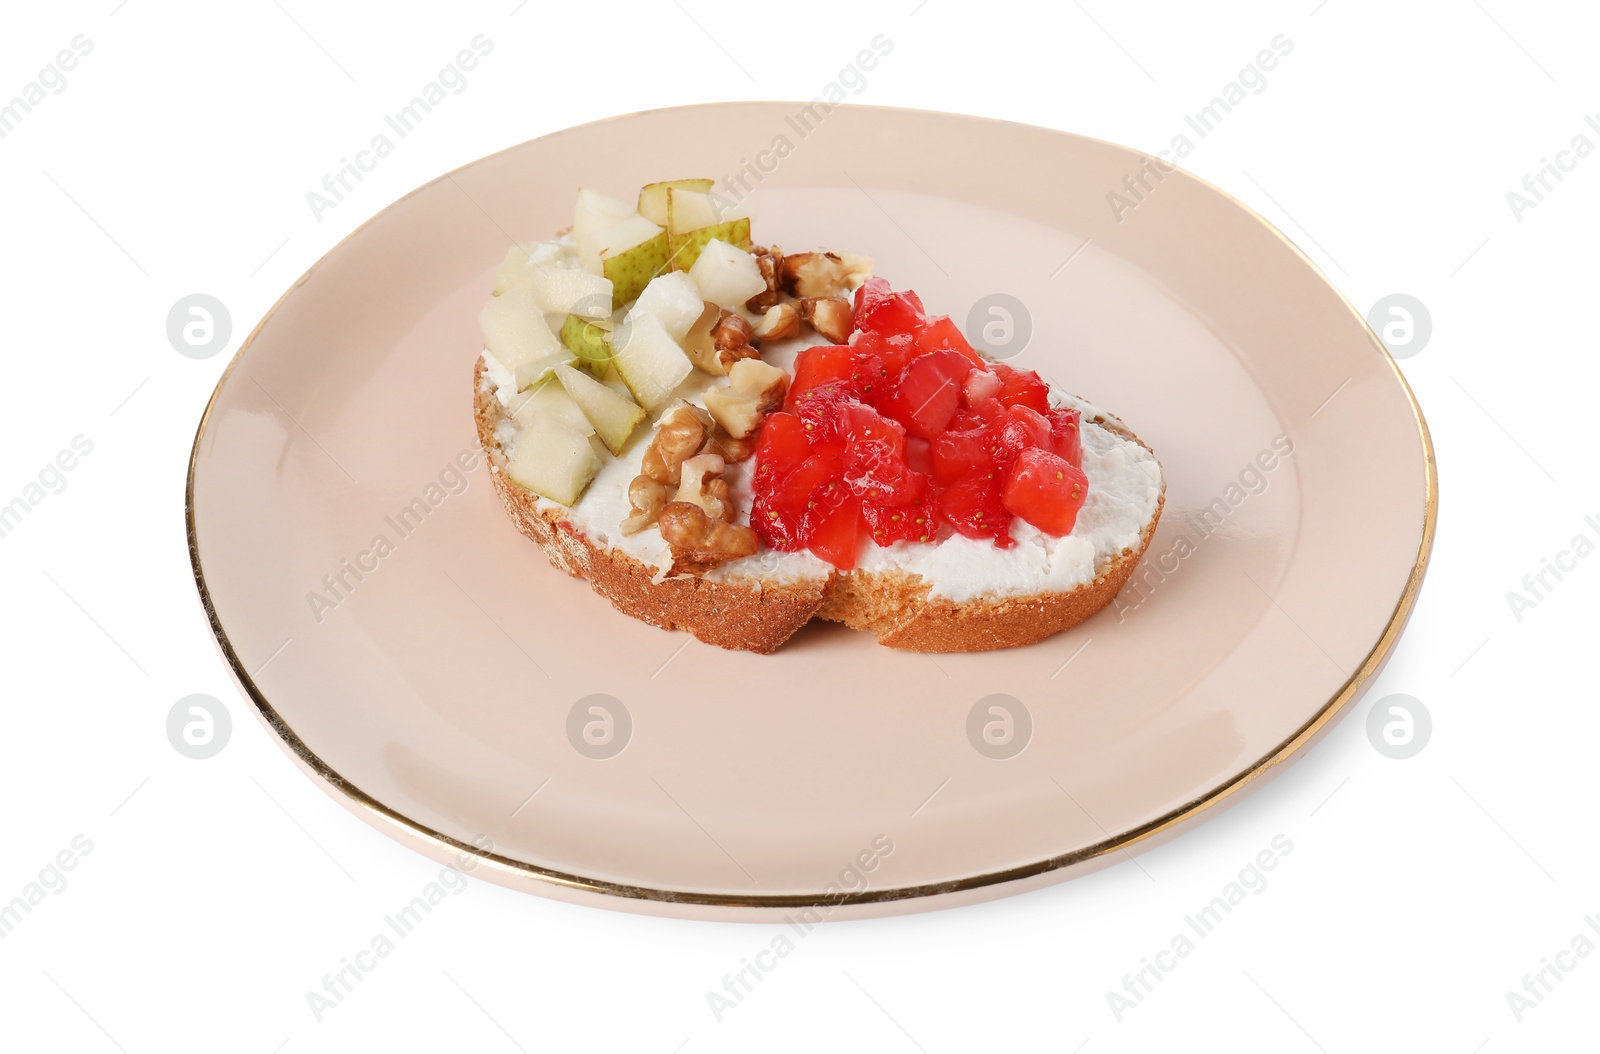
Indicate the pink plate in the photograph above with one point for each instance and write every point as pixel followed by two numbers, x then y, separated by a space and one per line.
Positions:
pixel 424 663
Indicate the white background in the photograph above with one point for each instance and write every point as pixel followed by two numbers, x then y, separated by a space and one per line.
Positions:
pixel 218 892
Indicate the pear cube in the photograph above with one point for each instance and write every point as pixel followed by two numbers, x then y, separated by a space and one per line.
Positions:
pixel 550 401
pixel 649 361
pixel 570 291
pixel 515 332
pixel 521 261
pixel 632 251
pixel 587 341
pixel 593 213
pixel 653 197
pixel 673 299
pixel 613 417
pixel 726 275
pixel 552 460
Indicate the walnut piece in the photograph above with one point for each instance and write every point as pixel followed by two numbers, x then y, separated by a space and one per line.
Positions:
pixel 699 542
pixel 779 323
pixel 647 497
pixel 857 269
pixel 731 337
pixel 830 316
pixel 813 274
pixel 730 448
pixel 718 339
pixel 680 434
pixel 754 389
pixel 698 343
pixel 769 261
pixel 699 485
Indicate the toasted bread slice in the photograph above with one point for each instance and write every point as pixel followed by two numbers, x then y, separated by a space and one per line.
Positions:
pixel 759 616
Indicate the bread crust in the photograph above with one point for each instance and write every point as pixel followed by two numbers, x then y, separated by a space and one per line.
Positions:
pixel 759 617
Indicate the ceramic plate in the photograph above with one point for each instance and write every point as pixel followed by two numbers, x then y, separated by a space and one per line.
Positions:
pixel 422 661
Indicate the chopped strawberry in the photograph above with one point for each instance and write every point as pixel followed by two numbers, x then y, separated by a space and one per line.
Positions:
pixel 859 371
pixel 834 526
pixel 874 457
pixel 780 446
pixel 881 310
pixel 928 392
pixel 1066 437
pixel 1022 388
pixel 916 522
pixel 919 455
pixel 1045 490
pixel 818 409
pixel 972 506
pixel 778 512
pixel 981 385
pixel 941 334
pixel 894 350
pixel 958 451
pixel 1019 430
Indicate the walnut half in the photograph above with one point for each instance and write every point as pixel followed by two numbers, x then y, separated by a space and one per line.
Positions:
pixel 647 496
pixel 698 542
pixel 697 524
pixel 807 275
pixel 830 316
pixel 680 434
pixel 781 322
pixel 754 389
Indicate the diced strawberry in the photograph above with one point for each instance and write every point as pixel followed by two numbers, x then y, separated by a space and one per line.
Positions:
pixel 779 511
pixel 972 506
pixel 941 334
pixel 928 391
pixel 1066 437
pixel 819 365
pixel 976 417
pixel 1022 388
pixel 834 526
pixel 879 309
pixel 958 452
pixel 1019 430
pixel 894 350
pixel 1045 490
pixel 781 445
pixel 818 409
pixel 981 385
pixel 917 522
pixel 919 455
pixel 874 457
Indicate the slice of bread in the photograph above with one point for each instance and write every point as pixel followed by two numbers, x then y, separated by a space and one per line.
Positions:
pixel 895 605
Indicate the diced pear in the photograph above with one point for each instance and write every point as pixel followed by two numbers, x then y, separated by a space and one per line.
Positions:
pixel 521 261
pixel 694 218
pixel 726 275
pixel 587 340
pixel 552 460
pixel 673 299
pixel 653 197
pixel 550 401
pixel 686 248
pixel 515 332
pixel 613 416
pixel 649 360
pixel 689 210
pixel 594 213
pixel 570 291
pixel 632 251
